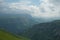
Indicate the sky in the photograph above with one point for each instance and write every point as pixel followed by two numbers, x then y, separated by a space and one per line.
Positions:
pixel 45 9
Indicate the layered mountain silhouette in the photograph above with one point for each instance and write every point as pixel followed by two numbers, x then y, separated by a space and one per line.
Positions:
pixel 21 24
pixel 45 31
pixel 16 23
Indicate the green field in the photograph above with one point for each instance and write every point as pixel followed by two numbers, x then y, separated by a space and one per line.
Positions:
pixel 8 36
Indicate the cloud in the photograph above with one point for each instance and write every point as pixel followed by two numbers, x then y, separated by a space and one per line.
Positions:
pixel 4 6
pixel 47 9
pixel 25 6
pixel 55 2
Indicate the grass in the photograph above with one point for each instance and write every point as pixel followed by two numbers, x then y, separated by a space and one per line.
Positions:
pixel 7 36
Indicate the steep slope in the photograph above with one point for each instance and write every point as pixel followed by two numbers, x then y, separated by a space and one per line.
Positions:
pixel 15 23
pixel 45 31
pixel 7 36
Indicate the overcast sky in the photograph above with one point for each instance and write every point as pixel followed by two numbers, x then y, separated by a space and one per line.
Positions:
pixel 46 9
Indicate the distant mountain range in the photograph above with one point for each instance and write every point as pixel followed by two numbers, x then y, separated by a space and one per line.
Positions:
pixel 26 25
pixel 45 31
pixel 16 23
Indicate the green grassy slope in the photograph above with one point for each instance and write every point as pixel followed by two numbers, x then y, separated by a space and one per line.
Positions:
pixel 7 36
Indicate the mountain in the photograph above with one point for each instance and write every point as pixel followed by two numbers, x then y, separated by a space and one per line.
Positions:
pixel 8 36
pixel 45 31
pixel 16 23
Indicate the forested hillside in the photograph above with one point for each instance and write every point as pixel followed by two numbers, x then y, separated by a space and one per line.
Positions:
pixel 45 31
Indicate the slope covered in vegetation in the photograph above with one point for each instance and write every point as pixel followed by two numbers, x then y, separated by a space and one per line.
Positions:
pixel 8 36
pixel 45 31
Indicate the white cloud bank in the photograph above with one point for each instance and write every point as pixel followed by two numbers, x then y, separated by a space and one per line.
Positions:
pixel 48 9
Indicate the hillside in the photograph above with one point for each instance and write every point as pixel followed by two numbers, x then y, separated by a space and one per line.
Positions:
pixel 7 36
pixel 45 31
pixel 16 23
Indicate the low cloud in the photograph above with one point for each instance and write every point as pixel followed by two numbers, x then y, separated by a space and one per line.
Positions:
pixel 47 9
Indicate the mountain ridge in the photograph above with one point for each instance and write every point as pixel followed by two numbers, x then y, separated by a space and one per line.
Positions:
pixel 45 31
pixel 15 22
